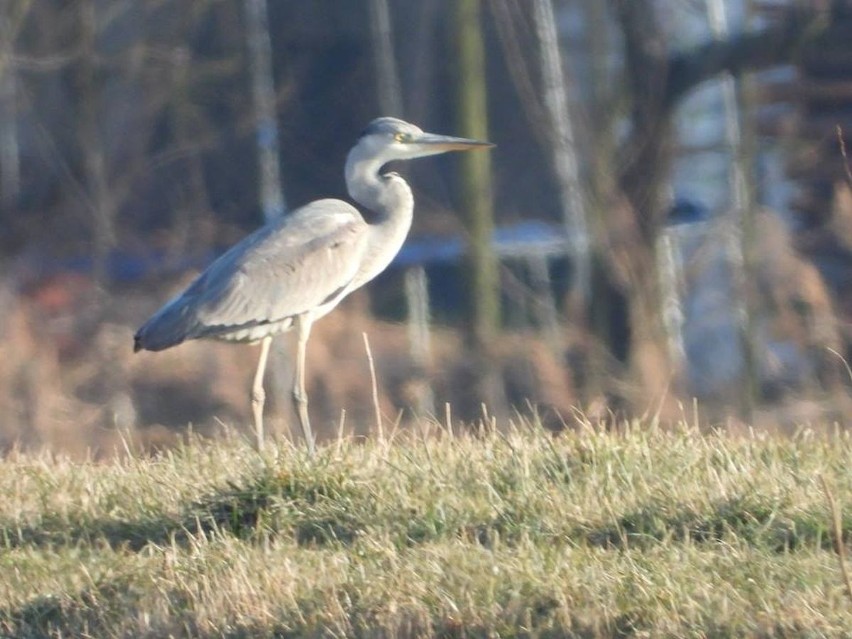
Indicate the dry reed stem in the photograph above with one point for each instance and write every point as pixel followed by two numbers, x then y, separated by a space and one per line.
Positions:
pixel 375 388
pixel 842 359
pixel 837 528
pixel 340 427
pixel 843 153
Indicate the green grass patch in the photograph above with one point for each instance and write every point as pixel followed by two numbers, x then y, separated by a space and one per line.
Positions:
pixel 592 534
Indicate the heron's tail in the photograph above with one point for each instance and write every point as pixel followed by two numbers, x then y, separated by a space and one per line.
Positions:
pixel 154 340
pixel 168 327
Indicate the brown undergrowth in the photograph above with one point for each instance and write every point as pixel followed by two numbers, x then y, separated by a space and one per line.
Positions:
pixel 69 380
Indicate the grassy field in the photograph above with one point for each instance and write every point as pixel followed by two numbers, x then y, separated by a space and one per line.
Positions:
pixel 637 532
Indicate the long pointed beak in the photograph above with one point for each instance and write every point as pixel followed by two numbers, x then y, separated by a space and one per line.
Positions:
pixel 442 143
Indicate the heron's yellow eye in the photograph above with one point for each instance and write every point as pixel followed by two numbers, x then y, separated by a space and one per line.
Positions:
pixel 400 137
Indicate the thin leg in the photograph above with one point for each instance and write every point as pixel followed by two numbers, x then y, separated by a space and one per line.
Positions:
pixel 258 395
pixel 300 395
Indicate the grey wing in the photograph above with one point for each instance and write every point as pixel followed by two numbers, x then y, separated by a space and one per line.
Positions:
pixel 281 270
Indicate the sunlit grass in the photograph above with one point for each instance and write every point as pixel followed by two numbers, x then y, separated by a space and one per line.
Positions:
pixel 515 533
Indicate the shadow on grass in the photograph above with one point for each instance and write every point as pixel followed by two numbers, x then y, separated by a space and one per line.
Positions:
pixel 106 609
pixel 313 511
pixel 235 513
pixel 111 607
pixel 93 608
pixel 317 509
pixel 748 520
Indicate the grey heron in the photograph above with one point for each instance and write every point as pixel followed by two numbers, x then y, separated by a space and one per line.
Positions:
pixel 296 269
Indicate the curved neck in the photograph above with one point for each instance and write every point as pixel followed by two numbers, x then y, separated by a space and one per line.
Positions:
pixel 362 179
pixel 385 195
pixel 391 202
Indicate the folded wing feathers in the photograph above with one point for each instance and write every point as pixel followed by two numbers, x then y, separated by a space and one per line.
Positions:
pixel 280 271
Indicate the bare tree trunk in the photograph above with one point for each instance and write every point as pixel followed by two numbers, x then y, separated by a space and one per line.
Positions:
pixel 647 154
pixel 740 139
pixel 607 304
pixel 477 201
pixel 645 163
pixel 476 171
pixel 266 125
pixel 671 266
pixel 564 156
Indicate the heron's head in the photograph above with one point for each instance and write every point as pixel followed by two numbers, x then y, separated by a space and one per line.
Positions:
pixel 388 139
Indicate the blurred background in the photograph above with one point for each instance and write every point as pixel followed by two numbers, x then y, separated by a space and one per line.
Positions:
pixel 664 227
